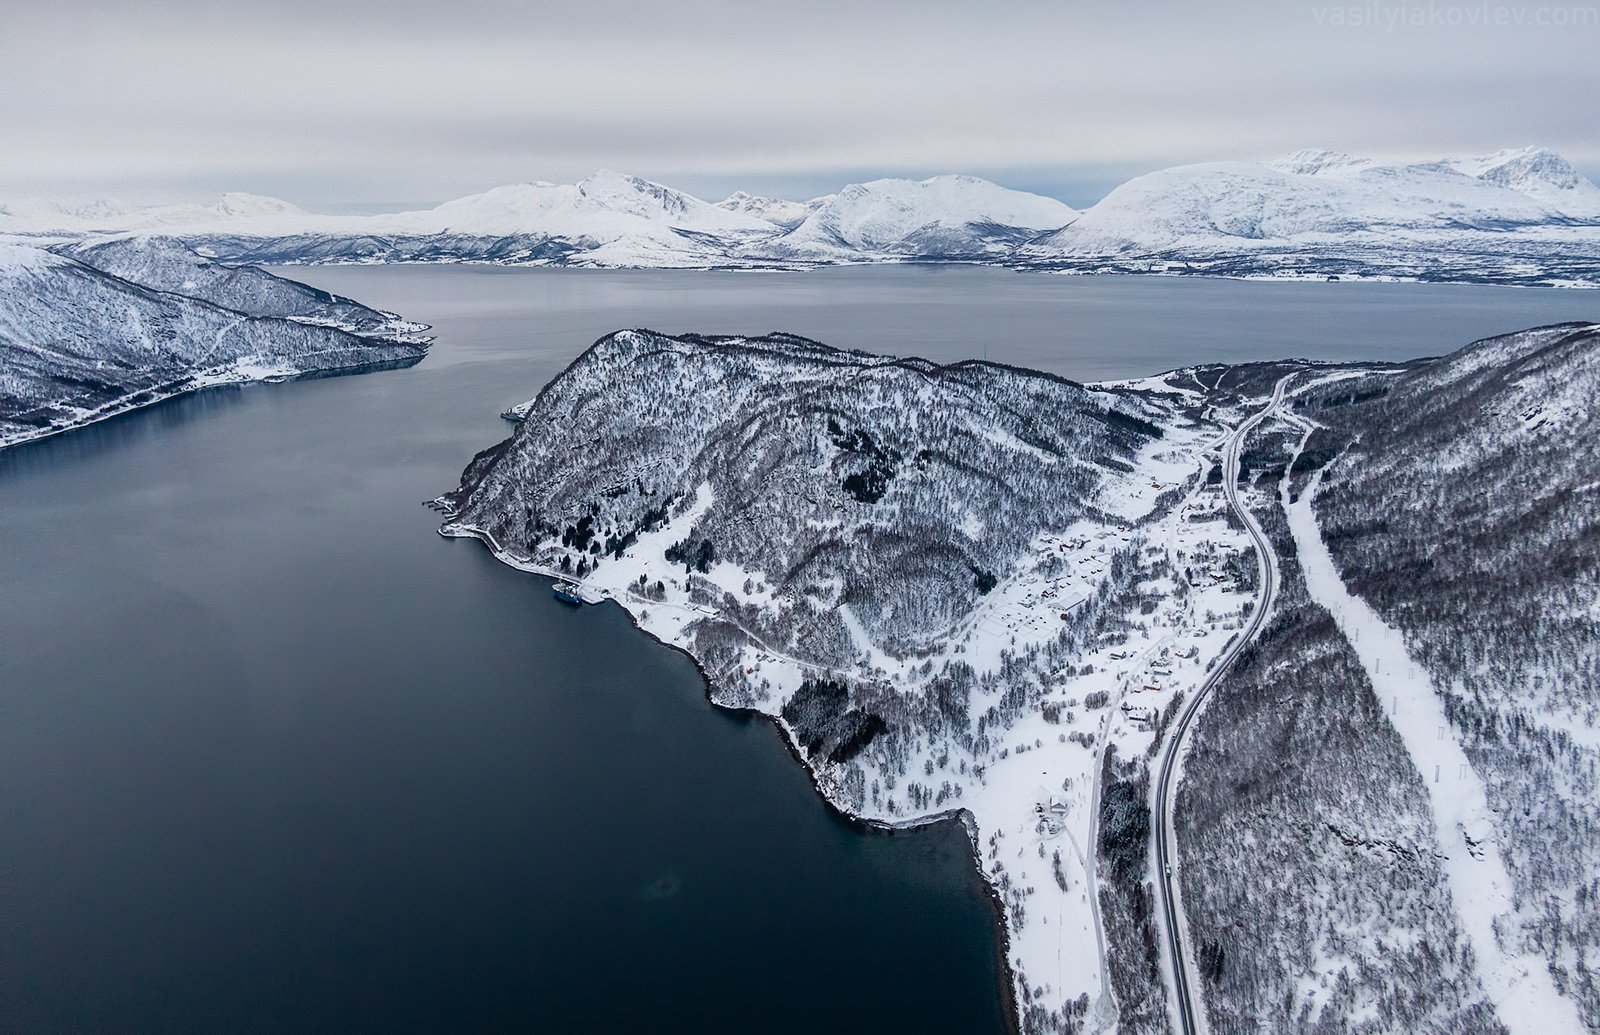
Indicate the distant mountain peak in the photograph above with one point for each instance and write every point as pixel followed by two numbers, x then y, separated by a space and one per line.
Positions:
pixel 239 205
pixel 646 199
pixel 942 217
pixel 1528 165
pixel 777 211
pixel 1316 161
pixel 632 194
pixel 1540 173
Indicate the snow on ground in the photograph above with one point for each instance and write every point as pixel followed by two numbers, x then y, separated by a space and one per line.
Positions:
pixel 1160 383
pixel 21 258
pixel 1481 889
pixel 1032 798
pixel 1163 464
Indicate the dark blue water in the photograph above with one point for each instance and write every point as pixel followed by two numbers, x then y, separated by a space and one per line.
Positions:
pixel 274 756
pixel 1086 328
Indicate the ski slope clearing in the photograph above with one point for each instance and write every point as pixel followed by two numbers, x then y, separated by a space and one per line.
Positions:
pixel 1482 892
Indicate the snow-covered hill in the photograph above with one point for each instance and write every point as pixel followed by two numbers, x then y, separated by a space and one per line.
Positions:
pixel 605 206
pixel 1389 813
pixel 949 584
pixel 78 344
pixel 1321 212
pixel 1539 173
pixel 780 213
pixel 1488 583
pixel 167 265
pixel 1308 194
pixel 946 217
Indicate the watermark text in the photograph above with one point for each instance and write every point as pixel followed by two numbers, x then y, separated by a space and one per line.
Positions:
pixel 1394 15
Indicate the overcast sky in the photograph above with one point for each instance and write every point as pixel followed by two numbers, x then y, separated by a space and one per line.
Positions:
pixel 333 104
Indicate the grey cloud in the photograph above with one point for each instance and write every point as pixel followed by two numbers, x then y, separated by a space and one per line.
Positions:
pixel 371 101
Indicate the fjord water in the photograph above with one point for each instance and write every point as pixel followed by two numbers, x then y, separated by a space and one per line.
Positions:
pixel 275 756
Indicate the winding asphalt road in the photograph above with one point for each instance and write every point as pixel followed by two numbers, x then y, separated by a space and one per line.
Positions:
pixel 1190 1011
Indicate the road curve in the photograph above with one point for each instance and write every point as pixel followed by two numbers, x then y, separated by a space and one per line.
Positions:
pixel 1190 1011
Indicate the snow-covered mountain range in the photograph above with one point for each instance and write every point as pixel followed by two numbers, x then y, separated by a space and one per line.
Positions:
pixel 1520 216
pixel 1320 212
pixel 109 214
pixel 970 589
pixel 100 329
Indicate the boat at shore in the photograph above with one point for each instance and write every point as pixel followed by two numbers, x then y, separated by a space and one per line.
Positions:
pixel 569 593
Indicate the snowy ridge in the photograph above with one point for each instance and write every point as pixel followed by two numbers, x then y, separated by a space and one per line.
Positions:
pixel 946 216
pixel 1308 194
pixel 1539 173
pixel 780 213
pixel 605 203
pixel 18 259
pixel 79 344
pixel 167 265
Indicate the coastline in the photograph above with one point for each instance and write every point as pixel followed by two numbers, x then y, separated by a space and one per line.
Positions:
pixel 230 378
pixel 1139 266
pixel 1000 931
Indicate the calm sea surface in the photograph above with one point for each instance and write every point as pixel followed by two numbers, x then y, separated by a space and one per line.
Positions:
pixel 274 756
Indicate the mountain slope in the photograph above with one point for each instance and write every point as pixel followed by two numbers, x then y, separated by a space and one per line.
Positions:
pixel 78 344
pixel 1310 194
pixel 166 265
pixel 1539 173
pixel 1324 212
pixel 775 411
pixel 1315 896
pixel 954 217
pixel 780 213
pixel 606 201
pixel 1489 455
